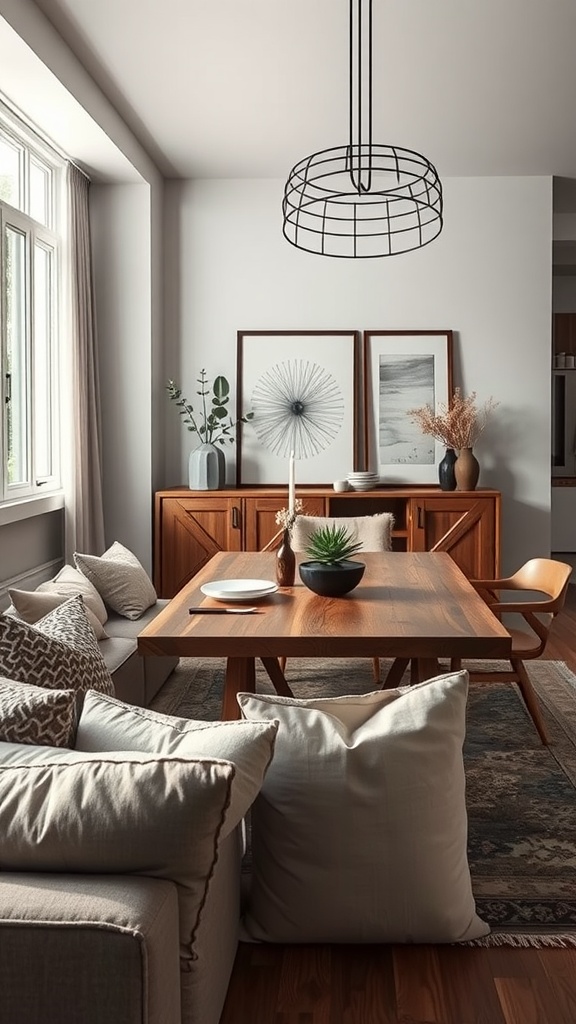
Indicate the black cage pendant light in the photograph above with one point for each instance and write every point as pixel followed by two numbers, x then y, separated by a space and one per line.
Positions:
pixel 364 199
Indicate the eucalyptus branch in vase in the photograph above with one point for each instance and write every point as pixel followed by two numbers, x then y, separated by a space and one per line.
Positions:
pixel 208 423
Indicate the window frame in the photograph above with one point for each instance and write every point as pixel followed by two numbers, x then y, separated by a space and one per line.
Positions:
pixel 49 238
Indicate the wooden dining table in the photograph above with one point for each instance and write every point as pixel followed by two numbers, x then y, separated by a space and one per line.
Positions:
pixel 416 606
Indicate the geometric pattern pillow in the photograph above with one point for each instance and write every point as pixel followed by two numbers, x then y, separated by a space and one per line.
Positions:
pixel 32 714
pixel 32 605
pixel 120 579
pixel 59 651
pixel 359 833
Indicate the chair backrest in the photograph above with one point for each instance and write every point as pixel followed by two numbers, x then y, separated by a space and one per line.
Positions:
pixel 542 576
pixel 373 532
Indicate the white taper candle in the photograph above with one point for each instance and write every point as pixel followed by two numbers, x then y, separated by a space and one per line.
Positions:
pixel 291 486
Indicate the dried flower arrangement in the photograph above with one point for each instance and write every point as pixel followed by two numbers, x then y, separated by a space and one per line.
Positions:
pixel 286 517
pixel 457 424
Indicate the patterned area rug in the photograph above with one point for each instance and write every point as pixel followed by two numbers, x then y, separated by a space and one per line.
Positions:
pixel 521 796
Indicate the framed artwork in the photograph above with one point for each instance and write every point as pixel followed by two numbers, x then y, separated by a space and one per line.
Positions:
pixel 404 370
pixel 302 387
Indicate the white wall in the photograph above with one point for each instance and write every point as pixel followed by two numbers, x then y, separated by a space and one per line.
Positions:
pixel 488 278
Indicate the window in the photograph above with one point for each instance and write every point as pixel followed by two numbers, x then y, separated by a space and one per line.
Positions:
pixel 30 259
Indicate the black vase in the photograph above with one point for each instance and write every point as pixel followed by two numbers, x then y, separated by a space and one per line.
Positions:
pixel 446 474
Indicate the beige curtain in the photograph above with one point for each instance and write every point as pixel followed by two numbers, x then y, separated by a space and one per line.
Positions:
pixel 82 444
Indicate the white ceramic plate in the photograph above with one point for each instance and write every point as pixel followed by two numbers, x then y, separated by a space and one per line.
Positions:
pixel 238 590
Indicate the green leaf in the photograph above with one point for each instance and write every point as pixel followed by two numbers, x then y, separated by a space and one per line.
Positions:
pixel 221 388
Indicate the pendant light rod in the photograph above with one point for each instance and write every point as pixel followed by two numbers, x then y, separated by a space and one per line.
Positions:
pixel 360 100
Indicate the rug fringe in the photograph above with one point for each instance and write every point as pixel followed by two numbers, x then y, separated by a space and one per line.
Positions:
pixel 525 941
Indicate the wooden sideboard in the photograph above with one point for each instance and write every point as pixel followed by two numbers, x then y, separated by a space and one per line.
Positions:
pixel 191 526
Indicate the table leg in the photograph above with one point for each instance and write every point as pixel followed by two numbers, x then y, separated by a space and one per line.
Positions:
pixel 277 677
pixel 425 668
pixel 240 678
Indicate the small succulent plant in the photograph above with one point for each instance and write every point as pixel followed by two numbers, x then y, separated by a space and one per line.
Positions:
pixel 331 545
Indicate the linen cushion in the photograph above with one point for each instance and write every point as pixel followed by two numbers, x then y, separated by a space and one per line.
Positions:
pixel 110 724
pixel 374 532
pixel 360 831
pixel 31 605
pixel 120 579
pixel 59 651
pixel 32 714
pixel 69 582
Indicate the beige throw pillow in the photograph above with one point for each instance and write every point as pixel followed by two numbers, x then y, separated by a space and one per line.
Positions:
pixel 68 583
pixel 59 651
pixel 373 532
pixel 360 831
pixel 32 714
pixel 32 605
pixel 110 724
pixel 120 579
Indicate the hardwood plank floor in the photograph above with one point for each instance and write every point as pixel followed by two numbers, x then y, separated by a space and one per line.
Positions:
pixel 410 984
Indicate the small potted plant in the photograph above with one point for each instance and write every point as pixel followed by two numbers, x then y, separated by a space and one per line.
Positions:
pixel 331 572
pixel 213 425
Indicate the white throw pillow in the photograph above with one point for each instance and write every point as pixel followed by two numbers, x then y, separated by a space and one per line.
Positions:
pixel 360 830
pixel 59 651
pixel 120 579
pixel 110 724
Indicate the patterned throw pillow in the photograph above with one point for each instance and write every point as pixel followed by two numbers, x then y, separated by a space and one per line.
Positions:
pixel 120 579
pixel 59 651
pixel 32 714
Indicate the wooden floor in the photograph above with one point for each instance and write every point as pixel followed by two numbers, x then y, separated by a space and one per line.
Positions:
pixel 409 984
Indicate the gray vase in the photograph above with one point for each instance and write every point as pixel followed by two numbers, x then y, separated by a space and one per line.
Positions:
pixel 206 468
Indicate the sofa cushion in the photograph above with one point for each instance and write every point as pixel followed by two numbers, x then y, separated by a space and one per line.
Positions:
pixel 109 724
pixel 360 831
pixel 33 714
pixel 59 651
pixel 32 605
pixel 120 579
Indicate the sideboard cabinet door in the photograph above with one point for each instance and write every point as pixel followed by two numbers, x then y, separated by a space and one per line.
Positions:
pixel 466 527
pixel 188 532
pixel 262 532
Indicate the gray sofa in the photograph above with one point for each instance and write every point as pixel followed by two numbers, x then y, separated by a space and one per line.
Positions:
pixel 104 949
pixel 136 679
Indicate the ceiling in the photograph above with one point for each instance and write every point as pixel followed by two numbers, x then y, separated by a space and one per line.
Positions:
pixel 245 88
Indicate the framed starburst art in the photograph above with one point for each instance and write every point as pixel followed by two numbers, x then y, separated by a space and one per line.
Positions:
pixel 302 387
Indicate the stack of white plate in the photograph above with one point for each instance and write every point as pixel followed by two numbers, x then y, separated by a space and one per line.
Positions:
pixel 363 480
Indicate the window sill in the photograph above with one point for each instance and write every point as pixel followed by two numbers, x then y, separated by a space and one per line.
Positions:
pixel 25 508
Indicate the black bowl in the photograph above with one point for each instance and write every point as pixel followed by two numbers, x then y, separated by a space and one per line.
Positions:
pixel 331 580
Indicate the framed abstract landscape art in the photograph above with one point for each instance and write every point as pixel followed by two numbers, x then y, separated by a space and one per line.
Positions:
pixel 404 370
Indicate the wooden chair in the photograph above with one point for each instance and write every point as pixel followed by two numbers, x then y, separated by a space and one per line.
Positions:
pixel 544 576
pixel 373 532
